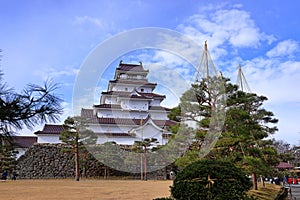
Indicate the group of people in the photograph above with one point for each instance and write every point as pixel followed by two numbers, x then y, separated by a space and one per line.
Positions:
pixel 5 175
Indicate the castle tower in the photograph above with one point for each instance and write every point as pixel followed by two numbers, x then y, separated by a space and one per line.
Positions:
pixel 129 110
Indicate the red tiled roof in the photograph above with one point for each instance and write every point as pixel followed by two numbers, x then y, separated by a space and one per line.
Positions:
pixel 118 135
pixel 51 129
pixel 159 108
pixel 108 106
pixel 138 83
pixel 24 141
pixel 116 106
pixel 164 122
pixel 131 67
pixel 152 95
pixel 124 121
pixel 127 94
pixel 284 165
pixel 88 113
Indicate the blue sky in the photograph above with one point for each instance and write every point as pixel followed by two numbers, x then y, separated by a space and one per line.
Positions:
pixel 52 39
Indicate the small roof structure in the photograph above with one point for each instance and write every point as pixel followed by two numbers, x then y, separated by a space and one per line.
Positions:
pixel 24 141
pixel 51 129
pixel 284 165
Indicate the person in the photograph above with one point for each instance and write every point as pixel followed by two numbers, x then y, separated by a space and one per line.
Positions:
pixel 14 176
pixel 4 175
pixel 285 180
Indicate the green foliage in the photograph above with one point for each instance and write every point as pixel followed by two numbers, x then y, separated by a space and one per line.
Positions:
pixel 210 179
pixel 144 145
pixel 34 105
pixel 246 127
pixel 7 156
pixel 175 114
pixel 77 135
pixel 108 154
pixel 190 157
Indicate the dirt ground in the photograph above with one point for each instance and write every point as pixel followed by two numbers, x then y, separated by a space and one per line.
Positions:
pixel 84 189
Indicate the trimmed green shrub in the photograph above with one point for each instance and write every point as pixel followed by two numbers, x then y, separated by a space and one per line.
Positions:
pixel 211 179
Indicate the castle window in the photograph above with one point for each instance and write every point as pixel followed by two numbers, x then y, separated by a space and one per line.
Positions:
pixel 142 89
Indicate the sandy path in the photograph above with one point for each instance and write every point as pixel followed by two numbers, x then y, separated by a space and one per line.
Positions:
pixel 84 189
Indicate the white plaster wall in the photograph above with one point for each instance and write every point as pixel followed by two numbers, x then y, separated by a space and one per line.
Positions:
pixel 160 115
pixel 121 114
pixel 144 89
pixel 110 128
pixel 138 115
pixel 124 104
pixel 130 88
pixel 53 139
pixel 118 140
pixel 149 131
pixel 119 87
pixel 110 100
pixel 138 105
pixel 155 102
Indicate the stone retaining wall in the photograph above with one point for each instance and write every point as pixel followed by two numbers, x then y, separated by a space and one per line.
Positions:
pixel 50 161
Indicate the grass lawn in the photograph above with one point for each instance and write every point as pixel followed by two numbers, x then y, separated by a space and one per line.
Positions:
pixel 66 189
pixel 266 193
pixel 84 189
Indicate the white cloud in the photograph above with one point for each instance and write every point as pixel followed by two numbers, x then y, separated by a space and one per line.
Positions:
pixel 89 20
pixel 284 48
pixel 51 72
pixel 274 73
pixel 224 26
pixel 68 111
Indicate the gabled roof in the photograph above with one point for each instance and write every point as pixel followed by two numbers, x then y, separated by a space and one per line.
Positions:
pixel 51 129
pixel 116 106
pixel 118 135
pixel 284 165
pixel 160 108
pixel 144 123
pixel 89 114
pixel 127 94
pixel 24 141
pixel 131 67
pixel 131 82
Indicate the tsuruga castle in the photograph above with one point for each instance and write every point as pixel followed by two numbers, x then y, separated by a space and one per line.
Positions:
pixel 128 111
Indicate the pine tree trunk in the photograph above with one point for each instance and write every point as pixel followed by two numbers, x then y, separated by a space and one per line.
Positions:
pixel 145 164
pixel 254 182
pixel 76 158
pixel 142 172
pixel 262 181
pixel 106 172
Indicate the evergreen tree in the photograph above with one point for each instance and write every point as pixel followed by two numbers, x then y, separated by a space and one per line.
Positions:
pixel 108 154
pixel 247 125
pixel 142 147
pixel 8 157
pixel 34 105
pixel 77 135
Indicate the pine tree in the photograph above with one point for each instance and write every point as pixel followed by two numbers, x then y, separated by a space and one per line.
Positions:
pixel 34 105
pixel 246 127
pixel 77 135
